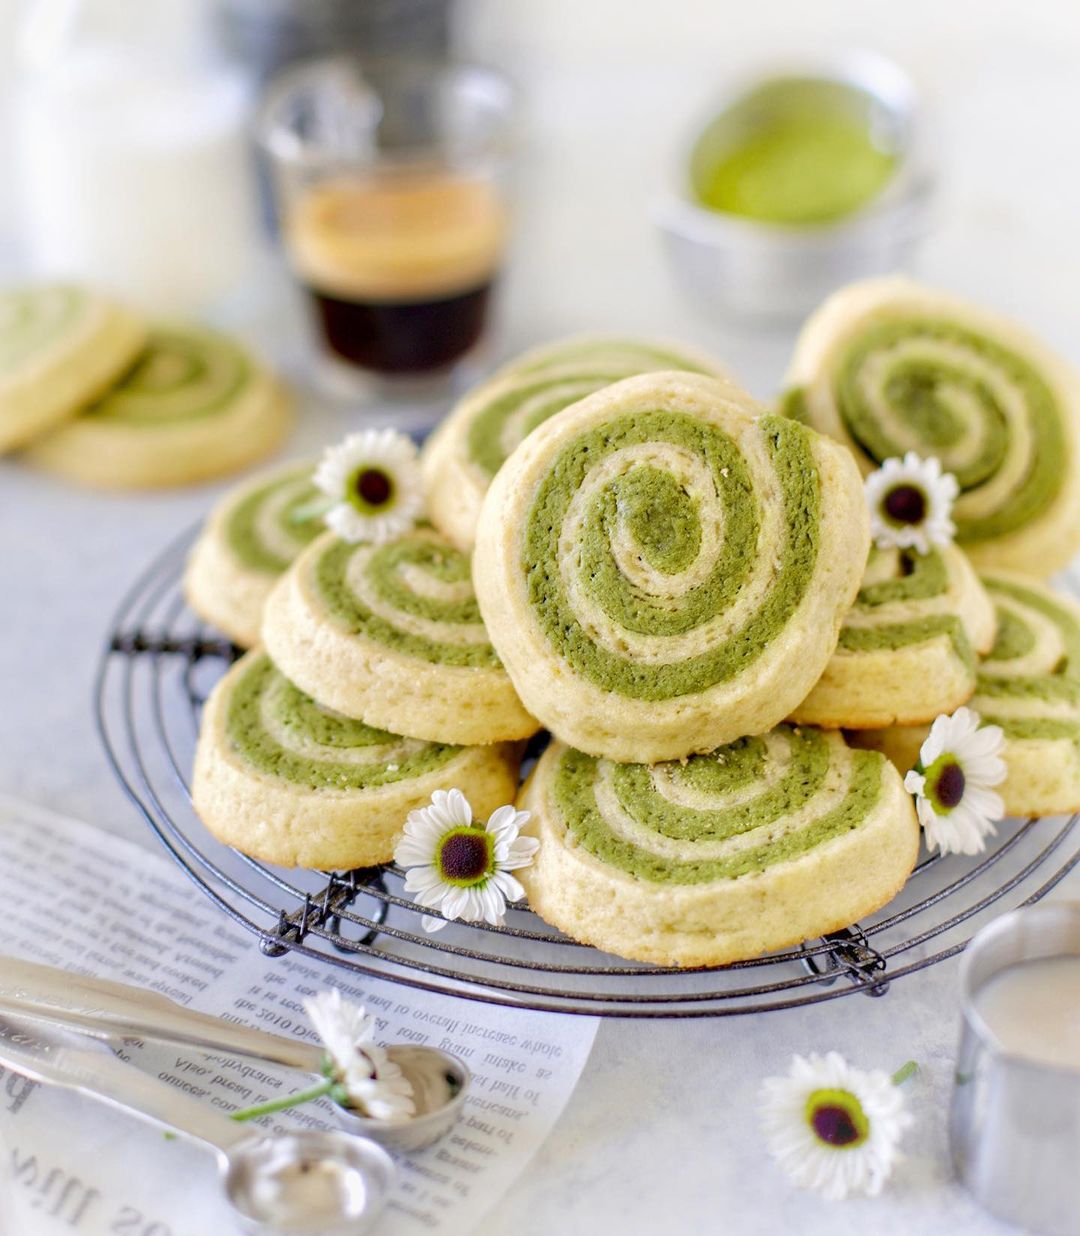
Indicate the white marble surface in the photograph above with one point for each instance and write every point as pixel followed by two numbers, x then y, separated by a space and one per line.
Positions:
pixel 661 1134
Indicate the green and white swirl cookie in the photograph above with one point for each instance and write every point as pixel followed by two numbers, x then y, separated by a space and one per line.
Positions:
pixel 888 366
pixel 60 348
pixel 756 846
pixel 195 406
pixel 663 569
pixel 469 447
pixel 908 646
pixel 287 781
pixel 616 352
pixel 1029 684
pixel 392 635
pixel 251 536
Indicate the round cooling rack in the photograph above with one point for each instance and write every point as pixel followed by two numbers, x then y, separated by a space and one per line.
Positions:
pixel 156 669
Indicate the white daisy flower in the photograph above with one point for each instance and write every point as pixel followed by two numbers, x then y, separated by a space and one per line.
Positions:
pixel 834 1128
pixel 460 868
pixel 958 764
pixel 369 1080
pixel 374 481
pixel 911 502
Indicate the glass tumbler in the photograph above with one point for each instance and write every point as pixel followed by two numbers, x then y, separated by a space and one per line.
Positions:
pixel 391 187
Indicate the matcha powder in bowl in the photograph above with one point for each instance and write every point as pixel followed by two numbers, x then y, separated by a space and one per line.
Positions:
pixel 800 165
pixel 802 182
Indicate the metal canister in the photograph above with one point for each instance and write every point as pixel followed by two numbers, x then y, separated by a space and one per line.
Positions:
pixel 1015 1122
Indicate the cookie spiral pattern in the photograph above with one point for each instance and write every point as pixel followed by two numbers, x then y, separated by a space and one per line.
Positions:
pixel 34 319
pixel 195 405
pixel 392 635
pixel 60 347
pixel 1029 684
pixel 184 374
pixel 662 570
pixel 284 779
pixel 460 459
pixel 888 366
pixel 763 843
pixel 908 646
pixel 624 353
pixel 252 535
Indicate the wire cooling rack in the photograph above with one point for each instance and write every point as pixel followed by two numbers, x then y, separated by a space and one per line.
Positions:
pixel 159 663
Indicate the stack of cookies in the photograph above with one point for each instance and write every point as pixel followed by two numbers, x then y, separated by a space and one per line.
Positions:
pixel 372 680
pixel 91 392
pixel 889 366
pixel 735 653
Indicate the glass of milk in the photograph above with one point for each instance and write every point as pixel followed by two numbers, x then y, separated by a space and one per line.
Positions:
pixel 1015 1120
pixel 132 154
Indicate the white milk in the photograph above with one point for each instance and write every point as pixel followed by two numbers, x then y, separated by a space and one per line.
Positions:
pixel 137 176
pixel 1033 1009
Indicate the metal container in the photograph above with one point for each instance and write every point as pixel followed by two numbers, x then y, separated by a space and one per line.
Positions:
pixel 440 1085
pixel 1015 1123
pixel 748 268
pixel 269 35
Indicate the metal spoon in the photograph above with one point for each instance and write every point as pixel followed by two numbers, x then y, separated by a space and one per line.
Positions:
pixel 108 1010
pixel 293 1183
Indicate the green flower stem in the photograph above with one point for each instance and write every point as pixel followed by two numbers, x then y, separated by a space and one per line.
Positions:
pixel 290 1100
pixel 904 1072
pixel 314 508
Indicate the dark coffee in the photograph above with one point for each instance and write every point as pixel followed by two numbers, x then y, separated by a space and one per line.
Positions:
pixel 399 267
pixel 403 337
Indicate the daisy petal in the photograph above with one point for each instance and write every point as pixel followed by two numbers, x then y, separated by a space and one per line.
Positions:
pixel 508 886
pixel 410 852
pixel 458 809
pixel 493 904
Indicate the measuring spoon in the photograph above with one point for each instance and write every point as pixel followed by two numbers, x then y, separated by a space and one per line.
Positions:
pixel 296 1184
pixel 109 1010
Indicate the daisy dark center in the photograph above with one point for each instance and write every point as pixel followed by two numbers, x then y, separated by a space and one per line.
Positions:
pixel 905 504
pixel 837 1118
pixel 372 488
pixel 948 785
pixel 465 855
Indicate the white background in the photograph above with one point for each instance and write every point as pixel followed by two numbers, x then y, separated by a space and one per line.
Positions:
pixel 661 1134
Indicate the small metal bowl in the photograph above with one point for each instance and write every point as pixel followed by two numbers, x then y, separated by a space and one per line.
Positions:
pixel 440 1084
pixel 753 269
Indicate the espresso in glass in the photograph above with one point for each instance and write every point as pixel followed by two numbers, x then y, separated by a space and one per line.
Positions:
pixel 399 265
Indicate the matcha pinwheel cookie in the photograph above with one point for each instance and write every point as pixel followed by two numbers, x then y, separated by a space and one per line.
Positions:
pixel 908 646
pixel 623 353
pixel 60 347
pixel 250 538
pixel 662 569
pixel 392 634
pixel 290 782
pixel 194 406
pixel 888 366
pixel 470 446
pixel 1029 685
pixel 756 846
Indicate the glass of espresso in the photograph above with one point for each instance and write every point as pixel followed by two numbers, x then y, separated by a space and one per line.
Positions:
pixel 392 204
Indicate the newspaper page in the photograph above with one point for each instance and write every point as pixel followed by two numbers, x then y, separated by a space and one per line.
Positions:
pixel 78 897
